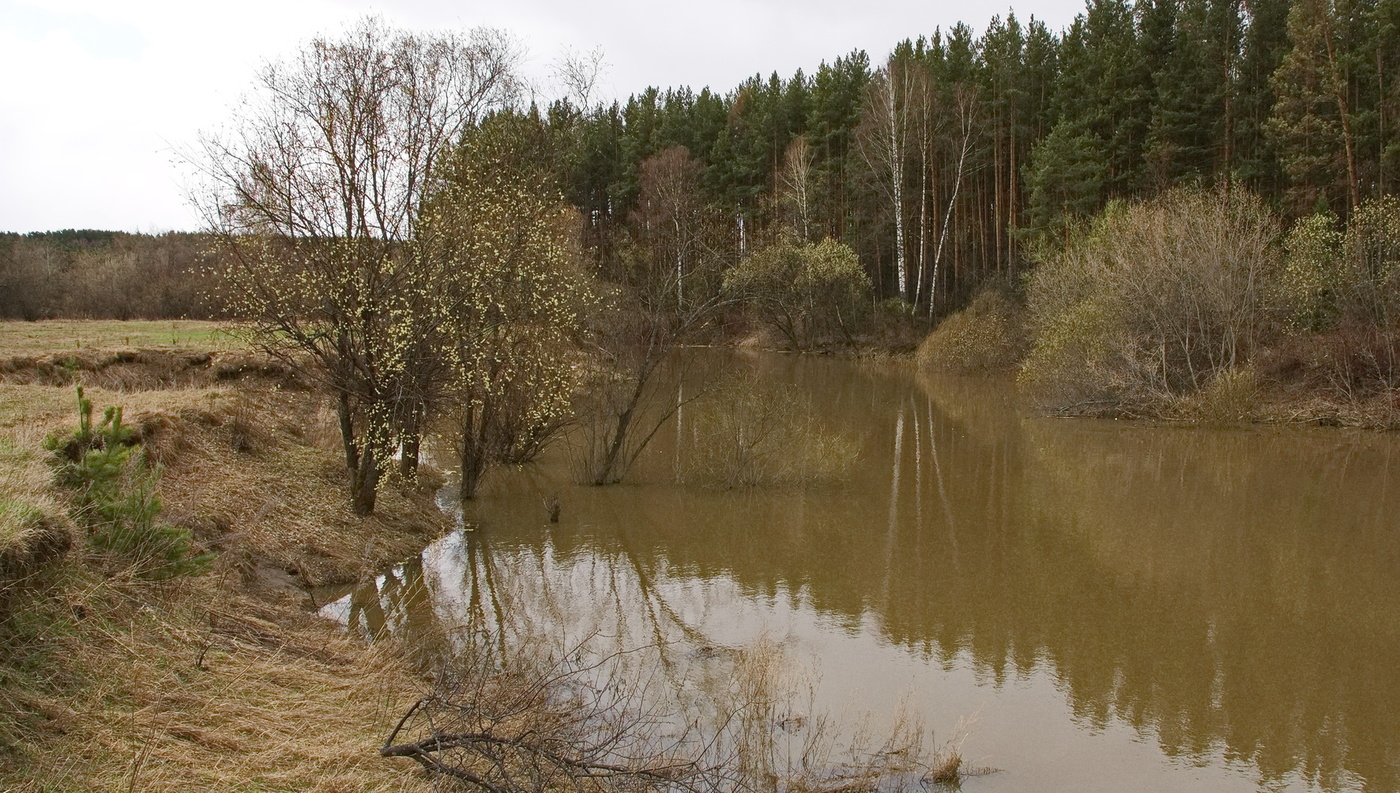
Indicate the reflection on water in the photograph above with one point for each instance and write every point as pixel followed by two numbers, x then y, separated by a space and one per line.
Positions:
pixel 1124 607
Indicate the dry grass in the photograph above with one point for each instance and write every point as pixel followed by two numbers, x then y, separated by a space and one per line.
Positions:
pixel 1231 397
pixel 27 502
pixel 986 337
pixel 191 688
pixel 259 476
pixel 781 741
pixel 222 682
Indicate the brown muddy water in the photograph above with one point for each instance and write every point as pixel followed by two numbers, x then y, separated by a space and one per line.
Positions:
pixel 1103 606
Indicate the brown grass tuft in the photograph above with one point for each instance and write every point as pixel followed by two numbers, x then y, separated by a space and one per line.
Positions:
pixel 988 336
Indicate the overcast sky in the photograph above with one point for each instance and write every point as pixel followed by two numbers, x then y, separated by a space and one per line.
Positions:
pixel 98 97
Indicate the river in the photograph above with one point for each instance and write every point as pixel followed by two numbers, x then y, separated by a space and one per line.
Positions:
pixel 1083 605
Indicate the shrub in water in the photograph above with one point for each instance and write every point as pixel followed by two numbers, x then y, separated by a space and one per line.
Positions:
pixel 810 294
pixel 749 436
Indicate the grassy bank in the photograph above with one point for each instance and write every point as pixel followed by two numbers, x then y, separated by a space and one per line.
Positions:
pixel 71 335
pixel 223 681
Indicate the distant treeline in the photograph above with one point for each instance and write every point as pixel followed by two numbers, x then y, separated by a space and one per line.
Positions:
pixel 957 158
pixel 102 275
pixel 959 155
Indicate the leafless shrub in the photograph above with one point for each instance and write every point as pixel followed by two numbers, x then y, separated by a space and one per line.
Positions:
pixel 527 725
pixel 667 288
pixel 749 435
pixel 101 275
pixel 1153 302
pixel 598 723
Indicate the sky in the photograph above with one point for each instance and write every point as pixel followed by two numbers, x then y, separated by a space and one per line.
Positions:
pixel 101 100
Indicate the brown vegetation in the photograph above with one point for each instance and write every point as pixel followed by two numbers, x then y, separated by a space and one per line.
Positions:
pixel 989 336
pixel 102 275
pixel 1187 308
pixel 215 682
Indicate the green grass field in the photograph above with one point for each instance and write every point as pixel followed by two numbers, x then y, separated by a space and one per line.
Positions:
pixel 31 338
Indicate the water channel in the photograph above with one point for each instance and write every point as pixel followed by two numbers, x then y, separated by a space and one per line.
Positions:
pixel 1105 606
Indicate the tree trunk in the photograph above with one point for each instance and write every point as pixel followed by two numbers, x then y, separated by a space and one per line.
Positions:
pixel 475 451
pixel 411 443
pixel 347 430
pixel 364 483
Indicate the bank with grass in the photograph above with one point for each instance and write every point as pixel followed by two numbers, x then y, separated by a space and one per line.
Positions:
pixel 118 673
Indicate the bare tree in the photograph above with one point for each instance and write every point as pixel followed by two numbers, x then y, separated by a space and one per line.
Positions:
pixel 670 286
pixel 313 196
pixel 578 74
pixel 966 103
pixel 796 183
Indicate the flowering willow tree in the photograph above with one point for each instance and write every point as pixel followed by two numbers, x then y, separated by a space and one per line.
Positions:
pixel 510 293
pixel 314 195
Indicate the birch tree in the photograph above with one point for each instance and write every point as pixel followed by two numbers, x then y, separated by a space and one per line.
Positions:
pixel 884 144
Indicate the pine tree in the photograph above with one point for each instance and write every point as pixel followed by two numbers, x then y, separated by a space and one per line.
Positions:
pixel 1312 123
pixel 1193 116
pixel 1065 181
pixel 1104 89
pixel 1004 85
pixel 837 90
pixel 1265 40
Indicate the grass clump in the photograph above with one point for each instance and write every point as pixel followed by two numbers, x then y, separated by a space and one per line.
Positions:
pixel 989 336
pixel 751 435
pixel 1232 397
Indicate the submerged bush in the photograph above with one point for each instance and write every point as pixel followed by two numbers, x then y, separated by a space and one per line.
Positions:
pixel 114 496
pixel 748 435
pixel 987 336
pixel 1153 302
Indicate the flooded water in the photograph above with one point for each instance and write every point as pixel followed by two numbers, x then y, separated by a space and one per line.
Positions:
pixel 1105 606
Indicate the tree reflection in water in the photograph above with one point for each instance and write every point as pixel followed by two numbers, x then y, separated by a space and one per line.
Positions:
pixel 1229 594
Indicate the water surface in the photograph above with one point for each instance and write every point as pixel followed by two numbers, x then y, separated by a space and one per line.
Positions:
pixel 1114 606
